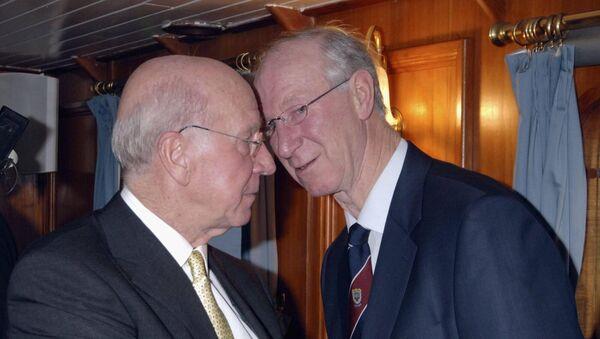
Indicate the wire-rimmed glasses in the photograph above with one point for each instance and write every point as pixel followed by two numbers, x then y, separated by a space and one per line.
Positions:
pixel 254 144
pixel 296 114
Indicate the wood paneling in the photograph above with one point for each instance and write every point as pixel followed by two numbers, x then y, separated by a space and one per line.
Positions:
pixel 427 85
pixel 495 9
pixel 291 203
pixel 290 19
pixel 76 168
pixel 30 209
pixel 588 285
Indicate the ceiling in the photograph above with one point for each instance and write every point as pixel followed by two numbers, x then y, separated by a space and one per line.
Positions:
pixel 46 34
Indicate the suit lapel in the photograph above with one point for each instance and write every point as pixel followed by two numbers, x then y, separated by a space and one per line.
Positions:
pixel 242 298
pixel 397 251
pixel 152 270
pixel 335 282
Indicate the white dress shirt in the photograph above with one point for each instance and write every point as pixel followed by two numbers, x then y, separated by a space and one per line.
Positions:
pixel 181 249
pixel 374 213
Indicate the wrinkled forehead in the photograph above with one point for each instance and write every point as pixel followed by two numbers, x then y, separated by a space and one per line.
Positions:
pixel 301 59
pixel 291 69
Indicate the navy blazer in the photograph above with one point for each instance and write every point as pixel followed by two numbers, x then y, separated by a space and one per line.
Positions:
pixel 8 257
pixel 461 257
pixel 108 276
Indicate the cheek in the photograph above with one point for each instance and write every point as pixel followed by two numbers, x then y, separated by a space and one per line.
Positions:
pixel 238 176
pixel 230 176
pixel 324 135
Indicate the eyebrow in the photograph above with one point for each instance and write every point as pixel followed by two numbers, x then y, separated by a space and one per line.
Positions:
pixel 293 100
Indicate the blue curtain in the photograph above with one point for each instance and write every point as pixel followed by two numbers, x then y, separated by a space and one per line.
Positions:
pixel 104 108
pixel 549 168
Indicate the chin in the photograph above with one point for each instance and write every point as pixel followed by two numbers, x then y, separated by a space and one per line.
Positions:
pixel 213 233
pixel 240 224
pixel 320 185
pixel 319 190
pixel 241 219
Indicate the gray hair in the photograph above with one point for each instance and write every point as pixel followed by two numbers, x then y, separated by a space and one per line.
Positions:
pixel 168 105
pixel 345 53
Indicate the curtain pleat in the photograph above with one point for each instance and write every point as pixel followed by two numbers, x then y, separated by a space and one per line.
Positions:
pixel 549 166
pixel 106 184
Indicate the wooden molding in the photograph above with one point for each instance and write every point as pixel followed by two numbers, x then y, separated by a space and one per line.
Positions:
pixel 423 69
pixel 97 70
pixel 339 6
pixel 173 45
pixel 587 295
pixel 290 19
pixel 495 9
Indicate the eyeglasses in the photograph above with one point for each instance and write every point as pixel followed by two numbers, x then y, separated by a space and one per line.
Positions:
pixel 295 115
pixel 254 144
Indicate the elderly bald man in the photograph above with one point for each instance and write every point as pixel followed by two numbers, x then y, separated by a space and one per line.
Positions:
pixel 189 141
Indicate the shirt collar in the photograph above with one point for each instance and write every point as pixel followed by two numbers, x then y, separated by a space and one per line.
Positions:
pixel 179 248
pixel 374 213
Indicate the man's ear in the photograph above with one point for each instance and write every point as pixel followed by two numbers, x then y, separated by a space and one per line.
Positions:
pixel 362 90
pixel 173 158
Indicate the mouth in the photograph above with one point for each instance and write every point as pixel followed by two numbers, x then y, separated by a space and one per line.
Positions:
pixel 303 168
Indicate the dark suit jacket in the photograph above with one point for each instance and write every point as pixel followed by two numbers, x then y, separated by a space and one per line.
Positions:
pixel 461 257
pixel 8 257
pixel 108 276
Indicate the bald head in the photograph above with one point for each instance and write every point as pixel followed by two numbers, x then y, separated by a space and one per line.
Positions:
pixel 165 94
pixel 166 75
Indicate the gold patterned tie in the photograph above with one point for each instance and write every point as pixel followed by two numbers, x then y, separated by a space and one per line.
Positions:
pixel 202 286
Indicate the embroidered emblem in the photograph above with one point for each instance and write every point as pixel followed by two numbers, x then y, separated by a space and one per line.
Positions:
pixel 356 296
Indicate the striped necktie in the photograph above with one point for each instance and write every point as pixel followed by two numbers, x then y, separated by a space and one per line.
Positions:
pixel 202 286
pixel 359 258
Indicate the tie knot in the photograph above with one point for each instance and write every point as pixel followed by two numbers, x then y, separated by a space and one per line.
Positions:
pixel 196 262
pixel 358 235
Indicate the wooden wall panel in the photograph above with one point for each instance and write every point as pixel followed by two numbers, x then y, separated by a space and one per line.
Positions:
pixel 588 286
pixel 291 205
pixel 76 147
pixel 75 176
pixel 30 209
pixel 427 85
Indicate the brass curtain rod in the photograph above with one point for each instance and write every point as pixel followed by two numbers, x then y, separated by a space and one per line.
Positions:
pixel 540 30
pixel 107 87
pixel 242 63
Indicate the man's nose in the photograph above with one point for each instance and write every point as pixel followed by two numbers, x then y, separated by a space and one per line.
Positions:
pixel 263 162
pixel 286 142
